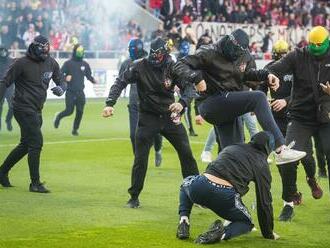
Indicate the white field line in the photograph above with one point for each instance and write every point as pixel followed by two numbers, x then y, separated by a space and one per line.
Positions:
pixel 87 141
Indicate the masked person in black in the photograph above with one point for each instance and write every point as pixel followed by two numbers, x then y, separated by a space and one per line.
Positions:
pixel 31 75
pixel 221 187
pixel 309 109
pixel 5 62
pixel 280 105
pixel 158 112
pixel 221 69
pixel 75 71
pixel 136 51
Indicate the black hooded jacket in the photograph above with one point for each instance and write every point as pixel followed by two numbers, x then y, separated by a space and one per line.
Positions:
pixel 78 69
pixel 307 70
pixel 210 64
pixel 155 86
pixel 31 76
pixel 240 164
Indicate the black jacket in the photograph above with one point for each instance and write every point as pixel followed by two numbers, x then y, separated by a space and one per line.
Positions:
pixel 306 69
pixel 240 164
pixel 31 77
pixel 78 69
pixel 155 86
pixel 133 95
pixel 220 74
pixel 283 92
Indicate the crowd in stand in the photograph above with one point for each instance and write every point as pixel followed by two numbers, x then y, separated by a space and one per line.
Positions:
pixel 65 22
pixel 291 13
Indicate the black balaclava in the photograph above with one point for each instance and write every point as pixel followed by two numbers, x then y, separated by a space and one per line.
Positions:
pixel 263 141
pixel 234 45
pixel 3 53
pixel 39 48
pixel 158 52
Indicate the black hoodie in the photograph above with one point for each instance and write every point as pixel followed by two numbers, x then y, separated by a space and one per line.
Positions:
pixel 242 163
pixel 31 76
pixel 78 69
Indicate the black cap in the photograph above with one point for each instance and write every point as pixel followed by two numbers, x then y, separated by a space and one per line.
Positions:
pixel 241 37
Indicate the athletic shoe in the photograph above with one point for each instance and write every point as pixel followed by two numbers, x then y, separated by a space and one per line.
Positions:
pixel 4 181
pixel 38 188
pixel 297 198
pixel 56 121
pixel 317 192
pixel 9 126
pixel 322 173
pixel 286 214
pixel 183 230
pixel 192 133
pixel 133 203
pixel 213 235
pixel 75 132
pixel 158 158
pixel 206 157
pixel 288 155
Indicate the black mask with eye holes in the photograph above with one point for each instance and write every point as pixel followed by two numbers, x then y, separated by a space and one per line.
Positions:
pixel 39 48
pixel 158 53
pixel 235 45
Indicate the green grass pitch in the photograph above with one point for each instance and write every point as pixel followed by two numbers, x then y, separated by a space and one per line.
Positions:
pixel 89 176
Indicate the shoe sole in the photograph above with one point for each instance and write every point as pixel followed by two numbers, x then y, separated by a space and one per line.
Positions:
pixel 290 161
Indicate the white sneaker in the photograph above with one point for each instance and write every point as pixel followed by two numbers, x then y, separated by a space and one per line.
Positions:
pixel 288 155
pixel 206 157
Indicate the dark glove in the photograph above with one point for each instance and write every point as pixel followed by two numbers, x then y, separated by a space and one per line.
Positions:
pixel 58 91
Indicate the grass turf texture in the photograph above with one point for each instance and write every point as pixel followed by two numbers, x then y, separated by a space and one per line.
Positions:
pixel 89 181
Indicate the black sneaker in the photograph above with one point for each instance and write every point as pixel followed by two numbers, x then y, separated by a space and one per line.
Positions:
pixel 158 158
pixel 9 126
pixel 133 203
pixel 192 133
pixel 286 214
pixel 183 230
pixel 75 132
pixel 56 120
pixel 38 188
pixel 213 235
pixel 4 181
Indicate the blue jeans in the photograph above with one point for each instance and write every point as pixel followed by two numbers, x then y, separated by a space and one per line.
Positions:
pixel 251 123
pixel 224 109
pixel 222 200
pixel 210 141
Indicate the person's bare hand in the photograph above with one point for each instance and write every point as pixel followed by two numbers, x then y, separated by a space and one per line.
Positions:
pixel 326 87
pixel 199 120
pixel 108 111
pixel 273 82
pixel 201 86
pixel 278 105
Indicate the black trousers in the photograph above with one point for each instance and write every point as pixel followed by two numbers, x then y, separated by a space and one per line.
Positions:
pixel 148 126
pixel 224 110
pixel 322 160
pixel 302 134
pixel 9 98
pixel 188 118
pixel 308 161
pixel 133 122
pixel 72 100
pixel 31 143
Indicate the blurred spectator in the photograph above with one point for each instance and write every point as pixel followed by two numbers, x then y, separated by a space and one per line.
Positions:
pixel 267 45
pixel 6 39
pixel 29 35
